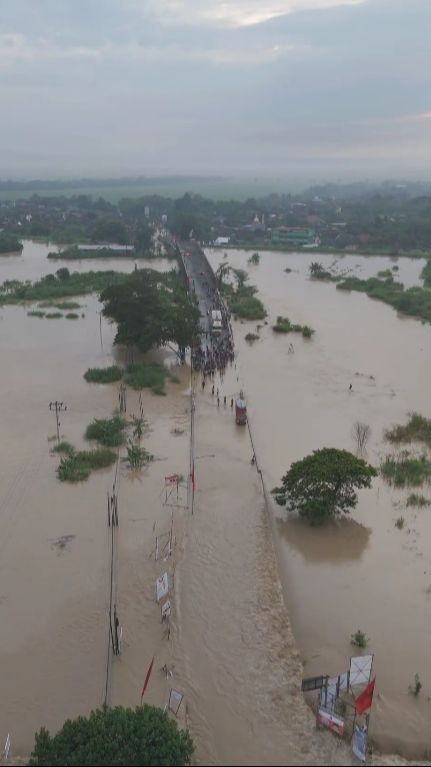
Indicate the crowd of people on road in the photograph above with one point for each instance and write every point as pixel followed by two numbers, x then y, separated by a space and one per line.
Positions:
pixel 214 357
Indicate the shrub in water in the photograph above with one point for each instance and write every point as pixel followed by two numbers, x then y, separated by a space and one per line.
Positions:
pixel 359 639
pixel 107 431
pixel 104 375
pixel 148 376
pixel 417 500
pixel 77 466
pixel 63 447
pixel 403 470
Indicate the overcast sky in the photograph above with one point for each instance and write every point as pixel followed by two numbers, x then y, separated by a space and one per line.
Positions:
pixel 114 87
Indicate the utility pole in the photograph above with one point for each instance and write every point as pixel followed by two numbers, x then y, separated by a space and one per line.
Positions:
pixel 58 407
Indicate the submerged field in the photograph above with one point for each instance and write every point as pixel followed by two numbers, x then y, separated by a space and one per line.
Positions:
pixel 363 572
pixel 243 693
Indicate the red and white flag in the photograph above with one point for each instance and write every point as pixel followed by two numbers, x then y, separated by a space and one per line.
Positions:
pixel 147 678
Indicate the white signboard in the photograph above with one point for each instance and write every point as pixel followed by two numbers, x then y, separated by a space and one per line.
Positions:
pixel 175 699
pixel 360 669
pixel 162 586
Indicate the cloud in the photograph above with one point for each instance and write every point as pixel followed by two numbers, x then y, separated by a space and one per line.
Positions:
pixel 232 13
pixel 16 47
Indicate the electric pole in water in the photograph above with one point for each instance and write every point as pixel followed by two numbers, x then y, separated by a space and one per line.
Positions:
pixel 58 407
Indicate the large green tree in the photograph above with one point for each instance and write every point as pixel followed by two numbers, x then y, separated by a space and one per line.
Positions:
pixel 110 230
pixel 115 736
pixel 323 484
pixel 151 309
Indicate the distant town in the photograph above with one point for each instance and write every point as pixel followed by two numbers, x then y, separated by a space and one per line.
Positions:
pixel 390 219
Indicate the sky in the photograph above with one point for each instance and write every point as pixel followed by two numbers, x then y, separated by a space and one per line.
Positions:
pixel 316 88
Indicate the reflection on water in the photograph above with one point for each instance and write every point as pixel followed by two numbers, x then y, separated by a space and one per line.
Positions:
pixel 336 542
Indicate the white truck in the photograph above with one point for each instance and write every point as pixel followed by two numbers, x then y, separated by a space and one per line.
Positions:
pixel 216 322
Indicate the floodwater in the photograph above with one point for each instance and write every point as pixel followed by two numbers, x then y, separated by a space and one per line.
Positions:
pixel 55 542
pixel 231 649
pixel 363 572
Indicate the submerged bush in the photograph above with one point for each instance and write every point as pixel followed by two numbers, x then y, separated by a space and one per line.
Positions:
pixel 404 470
pixel 420 501
pixel 415 301
pixel 417 429
pixel 63 305
pixel 284 325
pixel 138 456
pixel 58 286
pixel 72 316
pixel 63 447
pixel 359 639
pixel 148 375
pixel 107 431
pixel 104 375
pixel 78 465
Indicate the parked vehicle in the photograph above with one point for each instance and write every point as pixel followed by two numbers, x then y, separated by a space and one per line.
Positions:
pixel 216 322
pixel 241 410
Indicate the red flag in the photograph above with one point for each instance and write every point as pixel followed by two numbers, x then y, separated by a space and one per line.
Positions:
pixel 365 699
pixel 193 478
pixel 147 678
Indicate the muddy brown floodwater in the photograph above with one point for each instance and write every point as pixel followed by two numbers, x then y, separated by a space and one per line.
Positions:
pixel 363 573
pixel 232 650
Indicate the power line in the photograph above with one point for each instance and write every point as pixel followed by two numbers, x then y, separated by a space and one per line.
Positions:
pixel 58 407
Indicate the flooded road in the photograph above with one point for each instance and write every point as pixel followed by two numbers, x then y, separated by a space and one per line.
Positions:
pixel 363 573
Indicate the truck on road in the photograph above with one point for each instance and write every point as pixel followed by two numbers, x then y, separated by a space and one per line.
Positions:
pixel 216 322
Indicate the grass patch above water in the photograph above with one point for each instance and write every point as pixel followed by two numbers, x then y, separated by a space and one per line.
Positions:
pixel 109 432
pixel 415 302
pixel 60 285
pixel 250 337
pixel 244 305
pixel 36 313
pixel 72 316
pixel 53 315
pixel 284 325
pixel 63 447
pixel 104 375
pixel 417 429
pixel 148 376
pixel 417 500
pixel 78 465
pixel 63 305
pixel 404 470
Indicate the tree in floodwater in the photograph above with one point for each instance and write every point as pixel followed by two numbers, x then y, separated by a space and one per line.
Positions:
pixel 222 271
pixel 323 484
pixel 151 309
pixel 317 271
pixel 361 433
pixel 112 736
